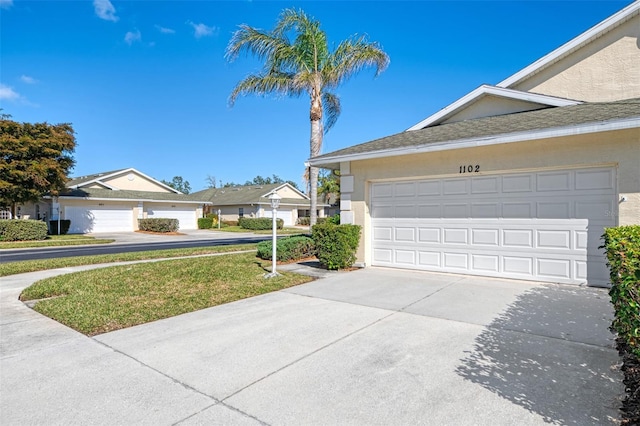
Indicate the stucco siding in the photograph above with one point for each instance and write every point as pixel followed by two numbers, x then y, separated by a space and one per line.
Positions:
pixel 138 183
pixel 493 105
pixel 606 69
pixel 620 149
pixel 289 193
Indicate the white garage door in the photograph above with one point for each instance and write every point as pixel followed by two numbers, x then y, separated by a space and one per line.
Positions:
pixel 285 215
pixel 99 219
pixel 186 216
pixel 543 226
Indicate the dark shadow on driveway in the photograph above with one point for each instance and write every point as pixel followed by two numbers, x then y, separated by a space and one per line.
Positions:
pixel 551 352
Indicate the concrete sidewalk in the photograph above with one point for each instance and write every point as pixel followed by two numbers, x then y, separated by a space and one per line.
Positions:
pixel 374 346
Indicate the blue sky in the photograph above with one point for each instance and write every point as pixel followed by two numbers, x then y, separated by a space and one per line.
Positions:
pixel 145 83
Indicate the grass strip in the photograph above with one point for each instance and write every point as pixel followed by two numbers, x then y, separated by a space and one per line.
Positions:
pixel 21 267
pixel 103 300
pixel 54 242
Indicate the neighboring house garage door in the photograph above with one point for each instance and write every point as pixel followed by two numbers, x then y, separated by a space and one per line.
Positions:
pixel 99 219
pixel 543 226
pixel 285 215
pixel 186 216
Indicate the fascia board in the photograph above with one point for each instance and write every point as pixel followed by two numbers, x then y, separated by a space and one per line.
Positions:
pixel 132 200
pixel 592 33
pixel 605 126
pixel 485 90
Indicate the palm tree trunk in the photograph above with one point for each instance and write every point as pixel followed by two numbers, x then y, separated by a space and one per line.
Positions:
pixel 316 143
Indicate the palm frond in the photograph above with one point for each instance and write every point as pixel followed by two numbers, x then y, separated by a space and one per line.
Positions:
pixel 251 40
pixel 279 83
pixel 351 56
pixel 332 109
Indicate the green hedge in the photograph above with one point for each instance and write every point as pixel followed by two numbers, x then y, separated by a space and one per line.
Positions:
pixel 306 220
pixel 622 248
pixel 205 223
pixel 336 245
pixel 65 224
pixel 291 248
pixel 22 230
pixel 259 223
pixel 158 225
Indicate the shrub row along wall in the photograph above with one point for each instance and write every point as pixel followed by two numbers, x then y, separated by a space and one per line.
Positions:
pixel 22 230
pixel 259 223
pixel 622 248
pixel 158 225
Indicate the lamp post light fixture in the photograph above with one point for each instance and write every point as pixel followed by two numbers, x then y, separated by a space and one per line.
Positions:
pixel 275 203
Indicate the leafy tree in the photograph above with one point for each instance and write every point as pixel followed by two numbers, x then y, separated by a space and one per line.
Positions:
pixel 179 184
pixel 304 65
pixel 211 181
pixel 36 160
pixel 329 184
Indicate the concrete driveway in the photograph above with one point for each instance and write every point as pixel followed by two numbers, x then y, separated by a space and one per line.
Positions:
pixel 374 346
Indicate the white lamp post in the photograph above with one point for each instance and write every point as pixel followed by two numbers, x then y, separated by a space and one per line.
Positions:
pixel 219 218
pixel 275 203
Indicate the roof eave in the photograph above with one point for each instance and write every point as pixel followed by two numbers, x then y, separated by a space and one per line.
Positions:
pixel 595 127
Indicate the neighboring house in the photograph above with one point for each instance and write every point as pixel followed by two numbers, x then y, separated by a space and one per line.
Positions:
pixel 114 201
pixel 516 180
pixel 251 201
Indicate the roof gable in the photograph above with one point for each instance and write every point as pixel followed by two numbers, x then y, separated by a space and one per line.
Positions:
pixel 123 179
pixel 252 194
pixel 621 28
pixel 486 101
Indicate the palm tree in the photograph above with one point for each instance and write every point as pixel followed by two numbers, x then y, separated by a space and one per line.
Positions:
pixel 304 65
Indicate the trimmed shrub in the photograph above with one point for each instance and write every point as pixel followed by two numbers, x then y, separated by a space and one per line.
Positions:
pixel 158 225
pixel 335 219
pixel 259 223
pixel 306 220
pixel 336 245
pixel 229 223
pixel 622 248
pixel 291 248
pixel 205 223
pixel 65 224
pixel 22 230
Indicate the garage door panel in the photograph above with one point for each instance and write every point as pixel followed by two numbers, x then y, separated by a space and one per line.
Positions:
pixel 541 225
pixel 405 190
pixel 186 216
pixel 406 211
pixel 97 219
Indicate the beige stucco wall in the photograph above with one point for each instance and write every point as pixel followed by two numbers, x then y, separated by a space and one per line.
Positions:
pixel 606 69
pixel 493 105
pixel 287 192
pixel 139 183
pixel 619 148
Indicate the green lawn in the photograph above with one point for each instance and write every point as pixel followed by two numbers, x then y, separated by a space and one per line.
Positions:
pixel 54 241
pixel 64 262
pixel 103 300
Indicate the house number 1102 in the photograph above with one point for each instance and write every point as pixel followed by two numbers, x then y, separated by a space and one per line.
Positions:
pixel 470 168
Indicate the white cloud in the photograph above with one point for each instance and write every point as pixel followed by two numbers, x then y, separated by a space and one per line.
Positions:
pixel 28 80
pixel 165 30
pixel 6 4
pixel 105 10
pixel 132 36
pixel 202 30
pixel 8 94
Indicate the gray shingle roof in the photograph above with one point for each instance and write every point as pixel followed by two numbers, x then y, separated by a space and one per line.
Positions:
pixel 83 179
pixel 131 195
pixel 547 118
pixel 245 194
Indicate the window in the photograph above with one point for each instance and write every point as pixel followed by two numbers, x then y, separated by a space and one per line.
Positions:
pixel 241 212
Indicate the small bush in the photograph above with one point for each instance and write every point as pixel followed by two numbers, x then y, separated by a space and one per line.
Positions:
pixel 205 223
pixel 226 223
pixel 22 230
pixel 306 220
pixel 65 224
pixel 336 245
pixel 291 248
pixel 158 225
pixel 622 248
pixel 259 223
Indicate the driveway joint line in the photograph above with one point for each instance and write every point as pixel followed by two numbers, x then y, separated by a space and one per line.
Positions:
pixel 224 405
pixel 173 379
pixel 544 336
pixel 315 351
